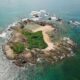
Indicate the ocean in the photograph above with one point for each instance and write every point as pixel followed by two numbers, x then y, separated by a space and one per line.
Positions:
pixel 69 68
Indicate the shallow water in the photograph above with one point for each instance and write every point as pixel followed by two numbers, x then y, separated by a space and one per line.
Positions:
pixel 69 69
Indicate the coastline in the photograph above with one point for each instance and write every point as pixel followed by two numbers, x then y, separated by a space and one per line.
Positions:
pixel 46 55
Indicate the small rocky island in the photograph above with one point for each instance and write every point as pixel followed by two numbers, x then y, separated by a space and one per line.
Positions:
pixel 31 43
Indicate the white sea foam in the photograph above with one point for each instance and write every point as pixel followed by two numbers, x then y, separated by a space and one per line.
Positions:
pixel 24 19
pixel 35 19
pixel 37 15
pixel 77 23
pixel 11 25
pixel 43 11
pixel 6 33
pixel 40 13
pixel 54 18
pixel 3 35
pixel 74 22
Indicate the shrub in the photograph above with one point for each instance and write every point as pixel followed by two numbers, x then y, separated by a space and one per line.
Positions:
pixel 18 47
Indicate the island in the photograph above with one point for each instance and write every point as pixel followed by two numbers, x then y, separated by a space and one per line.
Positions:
pixel 31 43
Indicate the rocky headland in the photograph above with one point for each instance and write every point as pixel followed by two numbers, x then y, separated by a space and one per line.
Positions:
pixel 29 44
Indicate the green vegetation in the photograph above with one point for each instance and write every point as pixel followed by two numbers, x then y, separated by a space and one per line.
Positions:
pixel 17 47
pixel 35 40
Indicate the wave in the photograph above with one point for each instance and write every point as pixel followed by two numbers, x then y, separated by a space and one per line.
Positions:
pixel 24 19
pixel 36 19
pixel 74 22
pixel 40 13
pixel 3 35
pixel 37 15
pixel 54 18
pixel 6 33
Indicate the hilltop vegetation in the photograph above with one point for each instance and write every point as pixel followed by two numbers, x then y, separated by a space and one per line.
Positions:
pixel 30 40
pixel 35 40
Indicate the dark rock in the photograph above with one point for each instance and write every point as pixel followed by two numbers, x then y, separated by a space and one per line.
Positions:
pixel 49 18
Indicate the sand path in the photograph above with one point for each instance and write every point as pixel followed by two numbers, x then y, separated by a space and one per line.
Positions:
pixel 45 30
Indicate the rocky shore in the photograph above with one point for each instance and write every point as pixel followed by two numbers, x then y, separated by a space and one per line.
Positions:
pixel 62 49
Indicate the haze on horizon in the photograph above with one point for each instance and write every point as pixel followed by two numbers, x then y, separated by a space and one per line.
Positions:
pixel 42 4
pixel 10 9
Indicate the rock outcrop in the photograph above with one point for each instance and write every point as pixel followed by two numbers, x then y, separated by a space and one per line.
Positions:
pixel 63 48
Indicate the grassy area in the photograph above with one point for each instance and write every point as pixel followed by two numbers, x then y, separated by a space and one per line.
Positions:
pixel 35 40
pixel 17 47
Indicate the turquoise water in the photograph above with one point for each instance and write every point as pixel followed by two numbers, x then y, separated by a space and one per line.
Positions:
pixel 12 10
pixel 68 69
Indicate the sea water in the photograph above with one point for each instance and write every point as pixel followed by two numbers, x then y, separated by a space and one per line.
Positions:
pixel 68 69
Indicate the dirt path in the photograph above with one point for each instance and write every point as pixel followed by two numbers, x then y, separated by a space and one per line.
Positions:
pixel 45 30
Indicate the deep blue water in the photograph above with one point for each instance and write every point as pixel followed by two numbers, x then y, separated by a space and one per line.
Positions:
pixel 69 69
